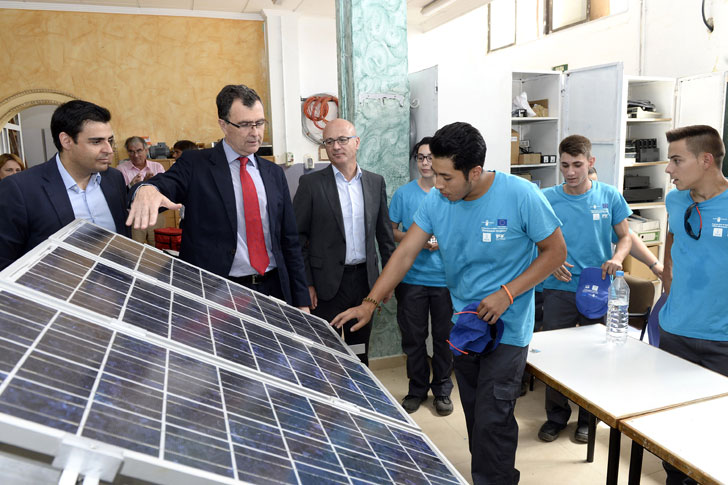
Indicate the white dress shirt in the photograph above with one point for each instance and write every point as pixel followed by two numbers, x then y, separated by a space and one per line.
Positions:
pixel 351 198
pixel 241 263
pixel 89 204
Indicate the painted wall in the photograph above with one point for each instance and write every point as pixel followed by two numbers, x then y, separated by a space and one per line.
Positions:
pixel 157 75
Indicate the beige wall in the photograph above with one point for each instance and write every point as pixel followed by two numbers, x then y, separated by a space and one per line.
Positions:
pixel 157 75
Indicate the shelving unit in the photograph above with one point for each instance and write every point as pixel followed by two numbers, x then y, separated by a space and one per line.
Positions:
pixel 542 133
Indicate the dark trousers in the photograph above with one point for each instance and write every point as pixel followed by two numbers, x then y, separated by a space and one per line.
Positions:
pixel 271 284
pixel 414 302
pixel 489 385
pixel 354 286
pixel 559 311
pixel 711 354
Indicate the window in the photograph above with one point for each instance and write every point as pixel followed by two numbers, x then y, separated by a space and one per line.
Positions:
pixel 501 24
pixel 561 14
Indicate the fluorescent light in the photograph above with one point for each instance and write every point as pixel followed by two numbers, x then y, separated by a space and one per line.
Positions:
pixel 434 6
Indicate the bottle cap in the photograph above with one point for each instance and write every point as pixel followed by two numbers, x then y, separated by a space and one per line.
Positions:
pixel 619 273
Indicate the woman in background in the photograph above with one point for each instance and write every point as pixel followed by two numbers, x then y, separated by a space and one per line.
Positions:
pixel 10 164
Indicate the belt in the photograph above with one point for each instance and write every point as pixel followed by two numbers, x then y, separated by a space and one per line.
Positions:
pixel 354 267
pixel 253 279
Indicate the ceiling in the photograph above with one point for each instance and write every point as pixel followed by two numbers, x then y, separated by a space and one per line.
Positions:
pixel 416 21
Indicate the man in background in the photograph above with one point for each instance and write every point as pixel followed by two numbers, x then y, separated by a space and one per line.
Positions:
pixel 139 169
pixel 77 183
pixel 341 212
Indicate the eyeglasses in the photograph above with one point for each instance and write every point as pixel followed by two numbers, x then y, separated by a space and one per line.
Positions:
pixel 342 140
pixel 422 158
pixel 246 125
pixel 688 227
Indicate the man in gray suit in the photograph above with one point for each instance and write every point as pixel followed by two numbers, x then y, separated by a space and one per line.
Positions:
pixel 340 211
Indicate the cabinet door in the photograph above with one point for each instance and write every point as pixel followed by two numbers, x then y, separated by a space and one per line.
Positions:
pixel 593 106
pixel 701 100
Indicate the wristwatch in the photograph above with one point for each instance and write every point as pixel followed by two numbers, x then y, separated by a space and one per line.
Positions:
pixel 653 264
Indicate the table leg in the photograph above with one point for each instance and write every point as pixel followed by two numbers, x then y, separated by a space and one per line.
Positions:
pixel 592 438
pixel 613 458
pixel 635 464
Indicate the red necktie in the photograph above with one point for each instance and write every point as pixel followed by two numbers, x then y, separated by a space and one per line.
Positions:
pixel 253 224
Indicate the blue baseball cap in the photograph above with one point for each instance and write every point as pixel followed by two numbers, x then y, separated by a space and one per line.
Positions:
pixel 470 334
pixel 592 294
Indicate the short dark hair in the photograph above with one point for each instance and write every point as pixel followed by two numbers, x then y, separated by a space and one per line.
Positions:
pixel 462 143
pixel 134 139
pixel 591 171
pixel 425 141
pixel 699 139
pixel 183 145
pixel 230 93
pixel 576 145
pixel 70 117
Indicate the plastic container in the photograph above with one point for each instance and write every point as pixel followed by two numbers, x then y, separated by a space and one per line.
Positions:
pixel 618 310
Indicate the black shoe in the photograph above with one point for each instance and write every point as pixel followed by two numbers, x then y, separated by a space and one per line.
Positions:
pixel 411 403
pixel 581 435
pixel 443 405
pixel 549 431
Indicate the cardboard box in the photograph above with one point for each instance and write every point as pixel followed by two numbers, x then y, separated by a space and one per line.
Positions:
pixel 525 175
pixel 543 111
pixel 529 158
pixel 171 218
pixel 514 147
pixel 639 269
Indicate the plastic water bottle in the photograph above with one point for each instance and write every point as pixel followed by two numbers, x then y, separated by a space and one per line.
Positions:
pixel 618 311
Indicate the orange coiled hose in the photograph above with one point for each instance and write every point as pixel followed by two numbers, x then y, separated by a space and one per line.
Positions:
pixel 315 108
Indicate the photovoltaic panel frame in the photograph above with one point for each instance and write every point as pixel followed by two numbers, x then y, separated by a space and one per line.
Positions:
pixel 89 363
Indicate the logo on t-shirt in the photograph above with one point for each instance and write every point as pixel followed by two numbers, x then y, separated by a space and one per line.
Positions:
pixel 720 225
pixel 599 212
pixel 499 227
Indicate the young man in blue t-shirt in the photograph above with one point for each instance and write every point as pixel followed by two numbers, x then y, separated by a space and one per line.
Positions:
pixel 487 224
pixel 694 320
pixel 589 211
pixel 422 291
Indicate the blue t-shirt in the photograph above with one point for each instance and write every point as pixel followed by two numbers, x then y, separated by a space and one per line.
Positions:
pixel 697 305
pixel 427 269
pixel 588 221
pixel 487 242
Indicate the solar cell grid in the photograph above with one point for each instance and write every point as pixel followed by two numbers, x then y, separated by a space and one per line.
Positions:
pixel 156 401
pixel 149 394
pixel 191 279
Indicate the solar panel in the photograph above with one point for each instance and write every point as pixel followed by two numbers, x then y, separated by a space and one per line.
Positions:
pixel 175 369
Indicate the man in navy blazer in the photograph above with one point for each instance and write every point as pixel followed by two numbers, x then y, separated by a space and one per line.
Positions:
pixel 208 183
pixel 76 183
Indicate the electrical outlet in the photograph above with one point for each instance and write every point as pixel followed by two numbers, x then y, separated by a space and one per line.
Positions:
pixel 308 161
pixel 289 159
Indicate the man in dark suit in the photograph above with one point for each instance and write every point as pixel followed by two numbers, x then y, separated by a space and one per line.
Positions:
pixel 76 183
pixel 239 220
pixel 341 210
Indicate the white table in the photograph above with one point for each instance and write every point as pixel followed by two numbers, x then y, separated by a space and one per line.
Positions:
pixel 617 382
pixel 693 438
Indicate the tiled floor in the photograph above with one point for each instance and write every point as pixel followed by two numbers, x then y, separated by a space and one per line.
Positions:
pixel 560 462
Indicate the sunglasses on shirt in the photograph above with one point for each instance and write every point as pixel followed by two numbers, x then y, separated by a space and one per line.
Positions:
pixel 688 227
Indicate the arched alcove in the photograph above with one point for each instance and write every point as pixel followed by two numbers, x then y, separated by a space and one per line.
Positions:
pixel 16 103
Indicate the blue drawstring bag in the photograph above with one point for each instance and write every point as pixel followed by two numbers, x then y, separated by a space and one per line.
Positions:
pixel 470 334
pixel 592 294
